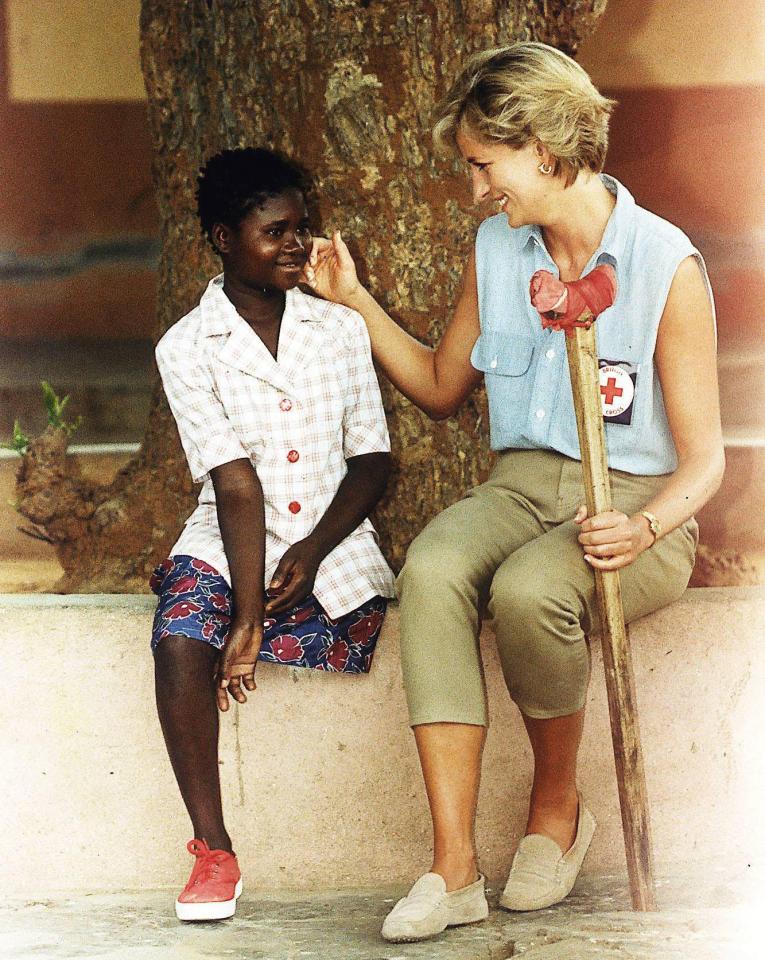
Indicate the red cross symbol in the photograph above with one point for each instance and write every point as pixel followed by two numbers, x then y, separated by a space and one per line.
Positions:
pixel 611 391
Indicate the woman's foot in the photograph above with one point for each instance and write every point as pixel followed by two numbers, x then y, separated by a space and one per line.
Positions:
pixel 555 818
pixel 428 909
pixel 214 885
pixel 458 870
pixel 542 874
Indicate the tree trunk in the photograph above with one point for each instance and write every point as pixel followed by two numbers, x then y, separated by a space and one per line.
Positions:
pixel 348 88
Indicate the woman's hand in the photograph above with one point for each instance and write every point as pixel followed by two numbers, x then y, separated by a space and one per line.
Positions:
pixel 294 577
pixel 237 663
pixel 330 270
pixel 612 540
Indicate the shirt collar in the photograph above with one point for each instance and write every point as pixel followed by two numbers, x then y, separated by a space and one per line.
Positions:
pixel 617 230
pixel 220 317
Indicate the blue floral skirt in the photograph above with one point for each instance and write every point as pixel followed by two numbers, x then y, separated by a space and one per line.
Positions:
pixel 195 602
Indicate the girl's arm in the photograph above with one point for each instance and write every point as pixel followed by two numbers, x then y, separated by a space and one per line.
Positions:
pixel 436 380
pixel 356 497
pixel 687 366
pixel 239 499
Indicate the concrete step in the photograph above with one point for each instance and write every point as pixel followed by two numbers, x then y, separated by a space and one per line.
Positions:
pixel 321 783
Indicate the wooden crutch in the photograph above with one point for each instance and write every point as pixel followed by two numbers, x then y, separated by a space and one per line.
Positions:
pixel 574 308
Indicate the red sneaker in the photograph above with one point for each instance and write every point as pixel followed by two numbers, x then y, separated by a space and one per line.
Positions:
pixel 213 887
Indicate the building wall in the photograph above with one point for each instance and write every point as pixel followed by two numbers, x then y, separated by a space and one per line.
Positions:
pixel 78 221
pixel 687 135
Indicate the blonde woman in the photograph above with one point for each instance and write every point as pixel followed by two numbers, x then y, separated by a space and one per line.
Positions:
pixel 519 549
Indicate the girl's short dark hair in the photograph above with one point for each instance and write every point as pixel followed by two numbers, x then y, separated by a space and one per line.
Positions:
pixel 235 182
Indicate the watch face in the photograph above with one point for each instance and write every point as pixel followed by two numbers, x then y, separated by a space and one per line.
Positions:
pixel 653 524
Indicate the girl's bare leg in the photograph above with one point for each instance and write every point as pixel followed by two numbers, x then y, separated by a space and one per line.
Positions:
pixel 188 713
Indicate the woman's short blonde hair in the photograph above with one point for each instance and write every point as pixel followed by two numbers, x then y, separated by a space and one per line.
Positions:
pixel 525 92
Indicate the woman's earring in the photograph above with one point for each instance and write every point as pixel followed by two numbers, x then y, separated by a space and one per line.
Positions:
pixel 545 168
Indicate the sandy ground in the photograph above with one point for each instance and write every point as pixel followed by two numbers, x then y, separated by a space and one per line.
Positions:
pixel 700 918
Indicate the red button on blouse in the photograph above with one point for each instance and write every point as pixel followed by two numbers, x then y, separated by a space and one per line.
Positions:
pixel 294 507
pixel 293 456
pixel 285 404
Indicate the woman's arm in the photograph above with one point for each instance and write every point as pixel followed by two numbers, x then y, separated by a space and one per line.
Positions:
pixel 436 380
pixel 686 362
pixel 241 518
pixel 356 497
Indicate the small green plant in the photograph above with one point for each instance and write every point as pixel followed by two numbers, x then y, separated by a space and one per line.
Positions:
pixel 55 407
pixel 19 440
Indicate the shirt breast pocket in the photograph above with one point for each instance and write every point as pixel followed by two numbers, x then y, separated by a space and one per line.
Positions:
pixel 507 364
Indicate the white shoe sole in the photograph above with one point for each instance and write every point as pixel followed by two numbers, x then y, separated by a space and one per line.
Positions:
pixel 214 910
pixel 410 937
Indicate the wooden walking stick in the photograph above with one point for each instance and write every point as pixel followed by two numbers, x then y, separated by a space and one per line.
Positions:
pixel 573 307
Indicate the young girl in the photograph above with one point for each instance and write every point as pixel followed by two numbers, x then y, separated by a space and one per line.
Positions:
pixel 279 413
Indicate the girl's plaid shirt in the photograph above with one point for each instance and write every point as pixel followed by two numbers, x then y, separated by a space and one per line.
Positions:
pixel 297 419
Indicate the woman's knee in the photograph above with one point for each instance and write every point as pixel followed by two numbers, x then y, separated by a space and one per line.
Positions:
pixel 434 562
pixel 522 596
pixel 541 643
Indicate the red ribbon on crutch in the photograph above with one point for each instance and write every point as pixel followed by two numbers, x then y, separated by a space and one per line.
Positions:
pixel 574 307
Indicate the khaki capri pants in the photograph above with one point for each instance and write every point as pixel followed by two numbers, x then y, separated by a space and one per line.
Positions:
pixel 509 553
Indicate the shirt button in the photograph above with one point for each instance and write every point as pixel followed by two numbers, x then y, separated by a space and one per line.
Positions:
pixel 293 456
pixel 540 414
pixel 493 363
pixel 550 354
pixel 294 507
pixel 286 404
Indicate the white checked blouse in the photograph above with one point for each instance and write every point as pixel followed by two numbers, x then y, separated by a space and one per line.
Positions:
pixel 297 419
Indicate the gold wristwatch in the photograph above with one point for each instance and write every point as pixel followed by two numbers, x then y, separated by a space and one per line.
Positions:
pixel 653 524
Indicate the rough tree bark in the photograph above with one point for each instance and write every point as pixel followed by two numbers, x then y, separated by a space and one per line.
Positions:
pixel 348 87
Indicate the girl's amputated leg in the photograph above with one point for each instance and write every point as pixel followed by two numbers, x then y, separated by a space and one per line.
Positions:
pixel 554 803
pixel 188 713
pixel 450 757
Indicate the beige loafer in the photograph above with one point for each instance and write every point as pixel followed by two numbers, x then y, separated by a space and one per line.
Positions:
pixel 540 875
pixel 428 909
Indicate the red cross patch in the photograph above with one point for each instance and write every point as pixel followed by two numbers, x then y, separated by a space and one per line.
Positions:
pixel 618 380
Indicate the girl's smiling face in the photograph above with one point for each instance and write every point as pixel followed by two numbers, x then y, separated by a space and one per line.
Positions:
pixel 269 248
pixel 508 176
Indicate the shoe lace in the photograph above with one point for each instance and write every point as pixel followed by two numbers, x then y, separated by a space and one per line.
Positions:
pixel 207 866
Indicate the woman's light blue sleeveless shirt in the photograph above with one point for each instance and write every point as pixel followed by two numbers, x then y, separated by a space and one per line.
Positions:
pixel 525 367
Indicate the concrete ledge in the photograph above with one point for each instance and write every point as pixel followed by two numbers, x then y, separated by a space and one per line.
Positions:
pixel 320 776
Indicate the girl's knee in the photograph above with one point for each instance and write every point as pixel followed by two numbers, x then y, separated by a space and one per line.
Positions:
pixel 178 654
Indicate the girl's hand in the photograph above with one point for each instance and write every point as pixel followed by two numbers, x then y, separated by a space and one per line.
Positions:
pixel 237 663
pixel 330 270
pixel 612 540
pixel 293 579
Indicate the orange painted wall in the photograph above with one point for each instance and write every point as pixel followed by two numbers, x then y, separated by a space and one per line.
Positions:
pixel 76 175
pixel 688 154
pixel 78 221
